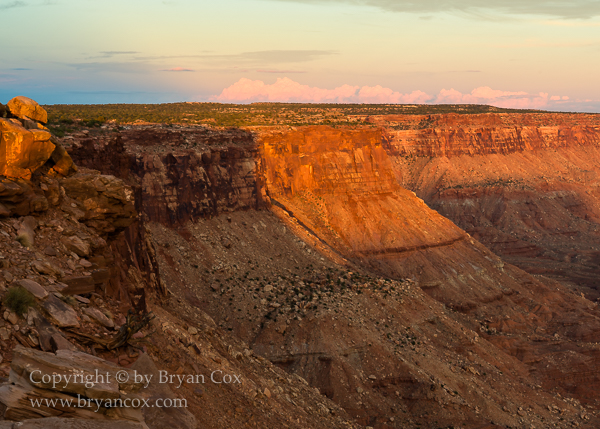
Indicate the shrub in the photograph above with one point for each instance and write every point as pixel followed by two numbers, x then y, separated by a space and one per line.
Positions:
pixel 18 299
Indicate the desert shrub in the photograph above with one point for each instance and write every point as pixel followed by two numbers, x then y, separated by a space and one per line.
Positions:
pixel 18 299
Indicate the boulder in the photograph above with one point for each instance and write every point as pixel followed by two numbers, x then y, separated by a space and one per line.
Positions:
pixel 24 107
pixel 76 245
pixel 40 135
pixel 63 165
pixel 50 338
pixel 3 111
pixel 99 317
pixel 25 233
pixel 58 342
pixel 60 313
pixel 34 287
pixel 46 268
pixel 21 151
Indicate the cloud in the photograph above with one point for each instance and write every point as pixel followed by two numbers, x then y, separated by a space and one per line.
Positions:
pixel 178 69
pixel 281 71
pixel 284 89
pixel 13 4
pixel 569 9
pixel 487 95
pixel 283 56
pixel 110 54
pixel 380 95
pixel 287 90
pixel 253 57
pixel 112 67
pixel 113 53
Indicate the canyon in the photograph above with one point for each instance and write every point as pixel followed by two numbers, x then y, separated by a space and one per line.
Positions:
pixel 419 271
pixel 526 186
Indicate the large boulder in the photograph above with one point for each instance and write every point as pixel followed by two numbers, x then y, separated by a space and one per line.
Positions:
pixel 23 107
pixel 22 151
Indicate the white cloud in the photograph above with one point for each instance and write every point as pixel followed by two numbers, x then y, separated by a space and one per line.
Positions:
pixel 287 90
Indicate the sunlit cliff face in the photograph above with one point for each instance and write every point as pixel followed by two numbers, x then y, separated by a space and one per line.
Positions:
pixel 341 184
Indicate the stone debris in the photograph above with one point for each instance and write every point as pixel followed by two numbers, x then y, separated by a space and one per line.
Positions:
pixel 34 287
pixel 61 314
pixel 99 317
pixel 26 382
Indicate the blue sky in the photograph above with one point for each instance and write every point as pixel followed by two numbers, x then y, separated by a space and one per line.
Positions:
pixel 511 53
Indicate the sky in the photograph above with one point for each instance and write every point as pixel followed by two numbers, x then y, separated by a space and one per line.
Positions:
pixel 508 53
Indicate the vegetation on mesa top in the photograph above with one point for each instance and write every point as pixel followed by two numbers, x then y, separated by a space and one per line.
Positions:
pixel 236 115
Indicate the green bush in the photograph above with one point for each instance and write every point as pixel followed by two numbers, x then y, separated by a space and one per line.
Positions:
pixel 18 299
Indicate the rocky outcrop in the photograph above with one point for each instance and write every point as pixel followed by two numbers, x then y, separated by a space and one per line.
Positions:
pixel 194 173
pixel 26 108
pixel 340 184
pixel 101 201
pixel 28 149
pixel 22 151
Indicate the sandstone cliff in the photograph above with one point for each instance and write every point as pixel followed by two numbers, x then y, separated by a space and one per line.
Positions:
pixel 72 244
pixel 193 173
pixel 526 185
pixel 466 339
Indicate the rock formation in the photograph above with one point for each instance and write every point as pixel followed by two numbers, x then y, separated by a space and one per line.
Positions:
pixel 526 185
pixel 27 109
pixel 78 275
pixel 348 302
pixel 384 305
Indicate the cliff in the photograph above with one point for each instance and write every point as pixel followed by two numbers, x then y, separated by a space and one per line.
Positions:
pixel 452 135
pixel 193 173
pixel 526 185
pixel 340 184
pixel 79 276
pixel 348 280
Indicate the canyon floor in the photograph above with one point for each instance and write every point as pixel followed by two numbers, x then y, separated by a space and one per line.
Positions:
pixel 304 261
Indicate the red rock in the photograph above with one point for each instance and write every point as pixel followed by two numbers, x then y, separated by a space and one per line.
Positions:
pixel 20 153
pixel 23 107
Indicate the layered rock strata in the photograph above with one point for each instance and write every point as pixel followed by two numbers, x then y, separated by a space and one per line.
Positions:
pixel 526 185
pixel 444 351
